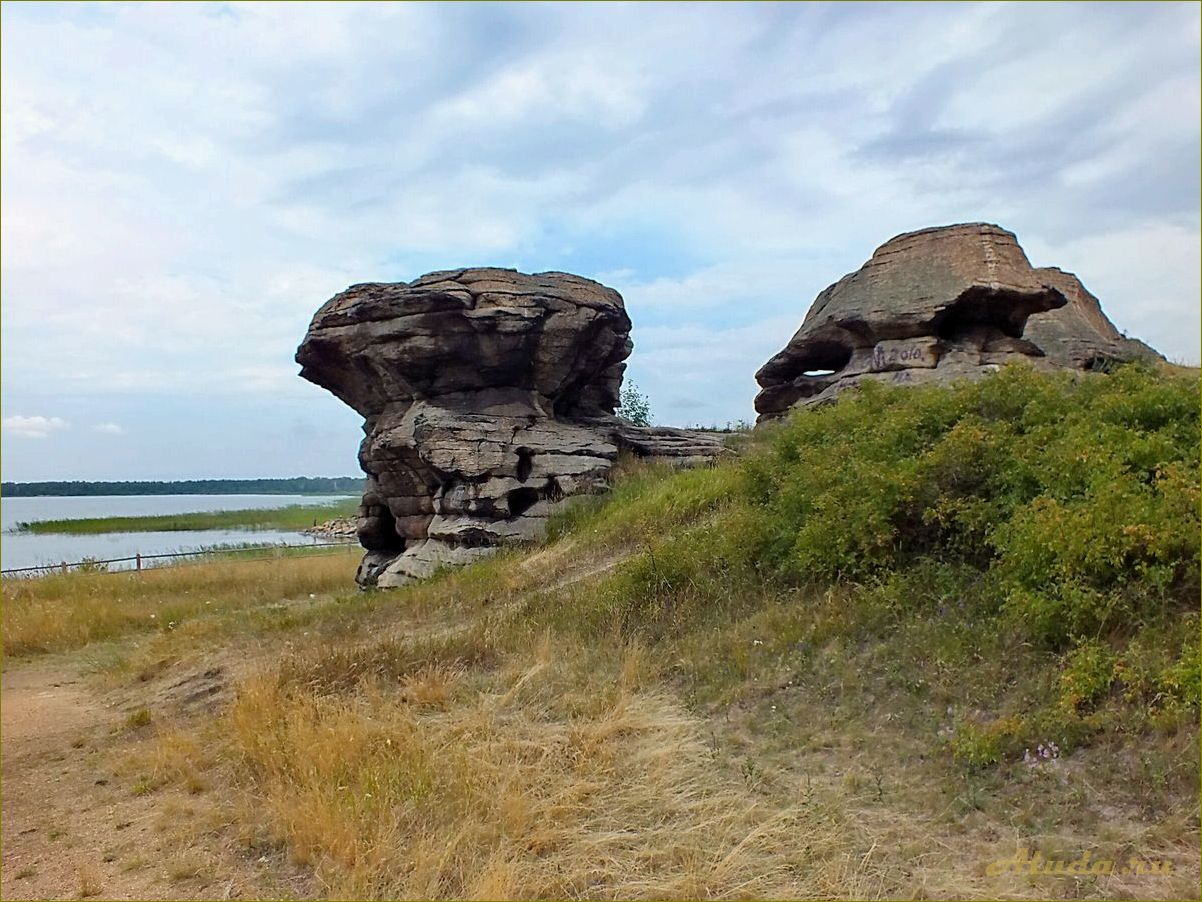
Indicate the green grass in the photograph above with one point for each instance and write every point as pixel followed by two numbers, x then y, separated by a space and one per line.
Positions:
pixel 810 671
pixel 1007 562
pixel 1023 550
pixel 293 517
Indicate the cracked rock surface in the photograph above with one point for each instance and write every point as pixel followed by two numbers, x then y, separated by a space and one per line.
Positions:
pixel 488 399
pixel 938 305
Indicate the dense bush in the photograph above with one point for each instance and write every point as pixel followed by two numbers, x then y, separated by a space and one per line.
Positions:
pixel 1078 497
pixel 1027 529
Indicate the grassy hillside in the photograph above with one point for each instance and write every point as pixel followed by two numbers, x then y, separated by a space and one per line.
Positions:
pixel 895 642
pixel 292 517
pixel 1033 538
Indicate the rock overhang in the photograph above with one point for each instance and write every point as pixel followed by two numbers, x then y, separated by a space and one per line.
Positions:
pixel 488 398
pixel 936 305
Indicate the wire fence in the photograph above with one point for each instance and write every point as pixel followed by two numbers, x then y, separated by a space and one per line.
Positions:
pixel 146 561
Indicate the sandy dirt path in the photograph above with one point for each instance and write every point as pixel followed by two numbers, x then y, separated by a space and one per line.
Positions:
pixel 73 829
pixel 61 817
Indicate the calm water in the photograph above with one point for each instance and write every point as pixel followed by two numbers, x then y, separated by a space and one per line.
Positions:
pixel 19 550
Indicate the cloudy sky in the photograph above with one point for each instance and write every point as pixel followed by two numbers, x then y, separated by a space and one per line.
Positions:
pixel 183 185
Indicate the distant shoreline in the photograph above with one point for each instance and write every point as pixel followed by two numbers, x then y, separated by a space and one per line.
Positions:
pixel 296 518
pixel 297 485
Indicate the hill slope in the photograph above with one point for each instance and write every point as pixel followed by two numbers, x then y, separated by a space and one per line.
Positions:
pixel 897 641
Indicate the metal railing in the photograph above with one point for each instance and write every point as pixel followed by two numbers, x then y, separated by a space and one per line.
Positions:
pixel 230 554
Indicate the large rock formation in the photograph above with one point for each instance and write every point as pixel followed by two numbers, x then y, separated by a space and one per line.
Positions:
pixel 937 305
pixel 488 398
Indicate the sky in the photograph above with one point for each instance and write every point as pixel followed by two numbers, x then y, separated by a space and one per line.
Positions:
pixel 183 185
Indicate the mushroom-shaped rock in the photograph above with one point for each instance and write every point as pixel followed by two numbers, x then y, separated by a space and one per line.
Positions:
pixel 561 338
pixel 937 305
pixel 488 398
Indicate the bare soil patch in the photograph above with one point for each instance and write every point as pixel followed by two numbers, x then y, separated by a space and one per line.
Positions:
pixel 74 828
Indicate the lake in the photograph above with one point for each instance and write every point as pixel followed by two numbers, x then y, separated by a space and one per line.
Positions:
pixel 26 550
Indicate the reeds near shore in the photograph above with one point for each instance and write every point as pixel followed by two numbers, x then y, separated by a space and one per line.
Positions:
pixel 294 517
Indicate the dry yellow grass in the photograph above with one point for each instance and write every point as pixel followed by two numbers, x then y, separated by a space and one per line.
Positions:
pixel 89 881
pixel 60 612
pixel 610 715
pixel 478 756
pixel 489 762
pixel 508 789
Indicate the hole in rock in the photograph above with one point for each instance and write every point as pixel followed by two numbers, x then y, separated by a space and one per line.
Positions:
pixel 521 500
pixel 377 530
pixel 824 358
pixel 525 463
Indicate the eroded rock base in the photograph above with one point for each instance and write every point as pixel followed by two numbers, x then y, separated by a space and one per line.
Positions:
pixel 488 400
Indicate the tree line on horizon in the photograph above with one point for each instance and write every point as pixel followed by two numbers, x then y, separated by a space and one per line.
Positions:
pixel 296 485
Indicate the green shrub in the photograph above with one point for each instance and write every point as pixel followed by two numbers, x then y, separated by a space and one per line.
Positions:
pixel 634 406
pixel 1088 674
pixel 1077 496
pixel 979 745
pixel 1159 668
pixel 1029 528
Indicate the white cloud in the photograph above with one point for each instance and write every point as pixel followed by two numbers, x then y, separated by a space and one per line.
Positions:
pixel 33 427
pixel 1116 265
pixel 108 429
pixel 721 167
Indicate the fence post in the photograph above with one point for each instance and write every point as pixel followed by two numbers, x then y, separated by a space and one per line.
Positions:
pixel 138 559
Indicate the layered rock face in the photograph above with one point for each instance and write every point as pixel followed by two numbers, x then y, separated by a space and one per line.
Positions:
pixel 934 306
pixel 488 398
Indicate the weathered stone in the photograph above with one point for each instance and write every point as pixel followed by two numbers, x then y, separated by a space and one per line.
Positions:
pixel 938 305
pixel 339 528
pixel 422 560
pixel 679 447
pixel 488 397
pixel 1079 335
pixel 905 354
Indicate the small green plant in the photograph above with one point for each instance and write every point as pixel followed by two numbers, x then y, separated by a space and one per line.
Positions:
pixel 1087 676
pixel 635 407
pixel 1179 682
pixel 137 719
pixel 752 773
pixel 977 745
pixel 92 565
